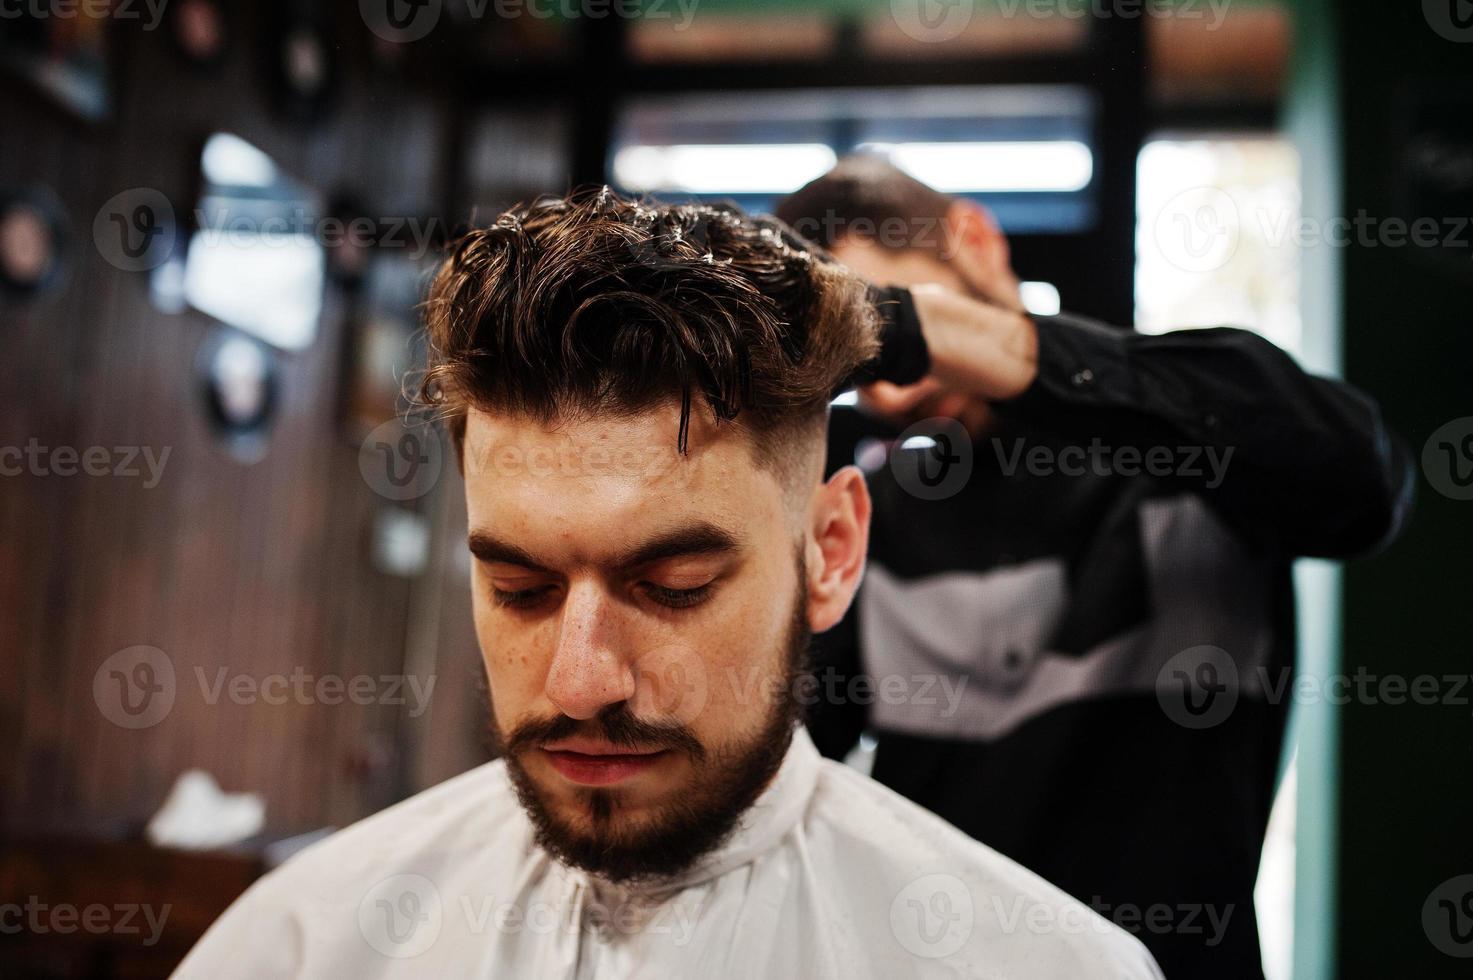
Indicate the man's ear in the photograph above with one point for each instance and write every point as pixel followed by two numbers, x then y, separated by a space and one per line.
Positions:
pixel 838 539
pixel 978 250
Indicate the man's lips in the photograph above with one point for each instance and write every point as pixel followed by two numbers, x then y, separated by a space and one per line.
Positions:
pixel 592 763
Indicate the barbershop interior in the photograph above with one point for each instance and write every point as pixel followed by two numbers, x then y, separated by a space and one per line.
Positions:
pixel 237 608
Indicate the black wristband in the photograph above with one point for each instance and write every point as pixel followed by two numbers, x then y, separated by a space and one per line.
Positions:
pixel 904 357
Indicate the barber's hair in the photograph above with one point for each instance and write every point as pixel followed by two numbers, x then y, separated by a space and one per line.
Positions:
pixel 598 304
pixel 865 196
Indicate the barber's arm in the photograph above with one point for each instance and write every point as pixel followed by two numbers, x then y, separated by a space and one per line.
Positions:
pixel 1312 464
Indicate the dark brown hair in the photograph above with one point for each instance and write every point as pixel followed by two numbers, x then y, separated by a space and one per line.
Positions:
pixel 866 196
pixel 597 303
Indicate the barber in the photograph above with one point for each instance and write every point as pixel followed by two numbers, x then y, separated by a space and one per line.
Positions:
pixel 1113 640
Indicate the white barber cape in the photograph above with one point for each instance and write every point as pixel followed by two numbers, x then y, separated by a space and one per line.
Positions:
pixel 829 874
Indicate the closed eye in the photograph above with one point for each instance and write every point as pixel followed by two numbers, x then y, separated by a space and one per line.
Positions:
pixel 520 598
pixel 677 598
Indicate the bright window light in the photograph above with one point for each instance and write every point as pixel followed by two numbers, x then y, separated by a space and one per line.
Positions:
pixel 267 285
pixel 230 161
pixel 749 168
pixel 958 168
pixel 1040 298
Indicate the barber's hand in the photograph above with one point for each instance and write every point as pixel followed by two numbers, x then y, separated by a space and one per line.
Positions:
pixel 977 347
pixel 974 347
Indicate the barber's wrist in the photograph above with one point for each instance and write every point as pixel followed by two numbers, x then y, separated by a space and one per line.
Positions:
pixel 976 346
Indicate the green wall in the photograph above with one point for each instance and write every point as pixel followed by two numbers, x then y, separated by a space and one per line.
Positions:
pixel 1406 771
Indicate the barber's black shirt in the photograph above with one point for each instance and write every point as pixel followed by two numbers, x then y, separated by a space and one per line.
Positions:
pixel 1081 651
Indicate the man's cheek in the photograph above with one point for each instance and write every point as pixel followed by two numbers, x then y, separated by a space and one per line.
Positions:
pixel 745 654
pixel 672 679
pixel 515 675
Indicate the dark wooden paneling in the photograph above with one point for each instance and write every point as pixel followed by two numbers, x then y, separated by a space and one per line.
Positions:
pixel 260 569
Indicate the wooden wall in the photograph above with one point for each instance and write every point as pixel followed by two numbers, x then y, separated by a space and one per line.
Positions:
pixel 262 569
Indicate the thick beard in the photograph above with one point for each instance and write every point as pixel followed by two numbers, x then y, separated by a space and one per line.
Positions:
pixel 699 818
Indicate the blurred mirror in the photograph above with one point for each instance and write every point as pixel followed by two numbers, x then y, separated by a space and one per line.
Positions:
pixel 240 387
pixel 32 230
pixel 254 260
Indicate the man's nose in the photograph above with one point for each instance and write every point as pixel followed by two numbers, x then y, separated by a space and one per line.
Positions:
pixel 589 670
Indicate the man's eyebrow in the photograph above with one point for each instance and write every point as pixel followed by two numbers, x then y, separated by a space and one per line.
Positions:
pixel 487 547
pixel 700 538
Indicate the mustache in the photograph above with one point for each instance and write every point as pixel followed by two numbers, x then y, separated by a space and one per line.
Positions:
pixel 616 724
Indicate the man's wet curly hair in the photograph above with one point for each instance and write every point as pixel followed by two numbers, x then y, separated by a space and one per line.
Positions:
pixel 595 303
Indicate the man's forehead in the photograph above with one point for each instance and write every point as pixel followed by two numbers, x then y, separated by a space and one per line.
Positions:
pixel 599 486
pixel 584 449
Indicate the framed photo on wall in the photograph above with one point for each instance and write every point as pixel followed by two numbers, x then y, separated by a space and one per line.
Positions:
pixel 65 58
